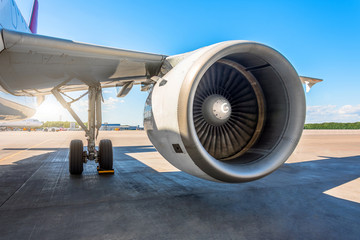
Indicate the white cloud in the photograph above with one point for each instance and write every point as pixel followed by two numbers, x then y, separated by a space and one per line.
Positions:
pixel 110 103
pixel 83 103
pixel 349 109
pixel 81 108
pixel 333 113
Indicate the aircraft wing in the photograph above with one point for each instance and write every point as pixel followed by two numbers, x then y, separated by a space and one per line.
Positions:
pixel 33 64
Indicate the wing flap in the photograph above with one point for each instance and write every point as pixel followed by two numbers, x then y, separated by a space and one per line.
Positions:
pixel 33 64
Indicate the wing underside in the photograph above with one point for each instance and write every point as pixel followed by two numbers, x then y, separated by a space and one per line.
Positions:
pixel 33 64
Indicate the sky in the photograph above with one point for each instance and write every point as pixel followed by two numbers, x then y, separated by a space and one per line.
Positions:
pixel 320 38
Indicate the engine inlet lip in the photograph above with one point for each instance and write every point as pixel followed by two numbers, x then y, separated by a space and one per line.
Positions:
pixel 287 139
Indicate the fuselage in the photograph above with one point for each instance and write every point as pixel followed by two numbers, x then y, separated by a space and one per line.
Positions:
pixel 14 108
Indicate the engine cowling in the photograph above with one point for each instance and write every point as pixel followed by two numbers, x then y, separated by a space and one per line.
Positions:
pixel 230 112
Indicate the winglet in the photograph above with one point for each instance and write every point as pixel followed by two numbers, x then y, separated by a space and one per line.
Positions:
pixel 34 17
pixel 309 82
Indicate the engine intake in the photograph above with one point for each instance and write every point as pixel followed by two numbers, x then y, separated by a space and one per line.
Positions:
pixel 231 112
pixel 228 110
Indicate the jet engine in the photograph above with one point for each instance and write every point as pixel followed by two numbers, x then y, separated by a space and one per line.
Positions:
pixel 229 112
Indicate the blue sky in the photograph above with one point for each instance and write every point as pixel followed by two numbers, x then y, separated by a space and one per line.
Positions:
pixel 320 38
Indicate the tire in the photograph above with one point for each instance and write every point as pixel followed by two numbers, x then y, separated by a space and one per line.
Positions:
pixel 105 154
pixel 76 157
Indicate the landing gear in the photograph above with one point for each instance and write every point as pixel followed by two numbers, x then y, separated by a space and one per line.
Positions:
pixel 105 155
pixel 76 159
pixel 77 155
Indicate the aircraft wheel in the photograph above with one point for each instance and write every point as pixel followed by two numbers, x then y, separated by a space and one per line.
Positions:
pixel 105 154
pixel 76 157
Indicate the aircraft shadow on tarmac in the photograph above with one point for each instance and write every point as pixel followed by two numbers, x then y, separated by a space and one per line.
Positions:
pixel 288 203
pixel 330 171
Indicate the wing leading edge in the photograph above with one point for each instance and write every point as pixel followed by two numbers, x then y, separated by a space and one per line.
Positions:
pixel 33 64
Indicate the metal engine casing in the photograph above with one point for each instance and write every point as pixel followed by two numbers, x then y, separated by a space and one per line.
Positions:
pixel 168 116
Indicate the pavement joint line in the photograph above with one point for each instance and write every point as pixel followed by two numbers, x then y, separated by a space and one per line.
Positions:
pixel 17 153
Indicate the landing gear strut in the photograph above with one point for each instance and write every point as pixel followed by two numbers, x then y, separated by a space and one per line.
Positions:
pixel 77 155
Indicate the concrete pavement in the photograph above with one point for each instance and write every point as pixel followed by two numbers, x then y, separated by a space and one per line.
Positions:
pixel 315 195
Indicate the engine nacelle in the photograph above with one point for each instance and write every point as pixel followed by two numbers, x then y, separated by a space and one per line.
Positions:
pixel 230 112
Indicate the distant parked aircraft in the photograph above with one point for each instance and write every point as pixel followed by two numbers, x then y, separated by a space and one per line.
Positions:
pixel 28 123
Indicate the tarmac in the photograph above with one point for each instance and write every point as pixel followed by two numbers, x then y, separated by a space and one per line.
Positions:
pixel 315 195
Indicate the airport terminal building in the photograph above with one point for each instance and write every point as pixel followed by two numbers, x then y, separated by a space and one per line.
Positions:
pixel 118 127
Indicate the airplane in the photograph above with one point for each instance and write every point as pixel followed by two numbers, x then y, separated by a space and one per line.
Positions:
pixel 231 112
pixel 27 123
